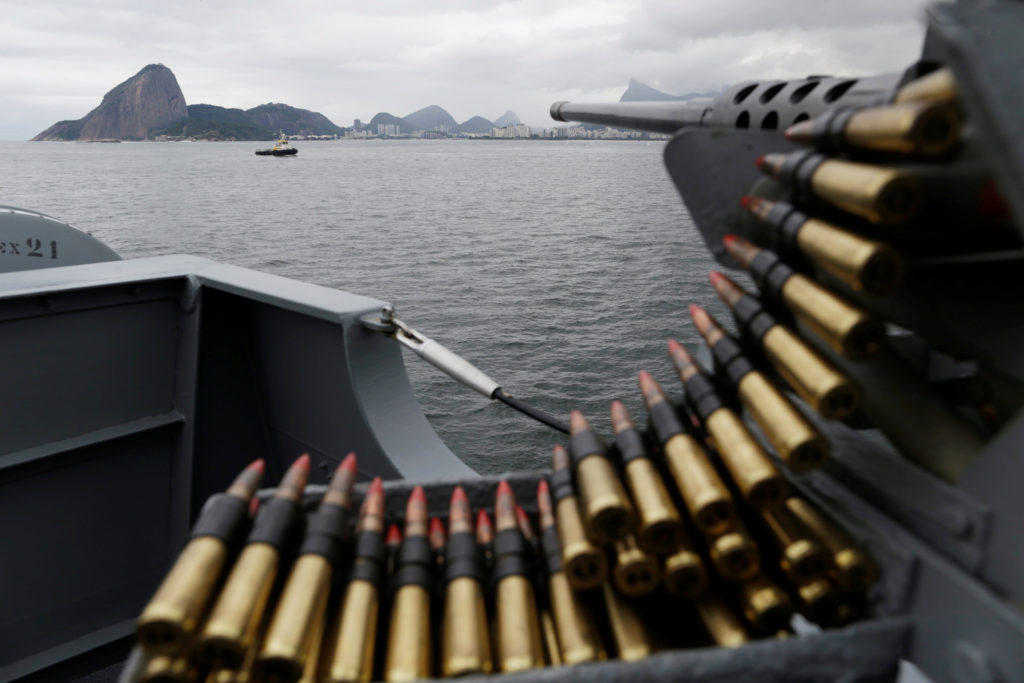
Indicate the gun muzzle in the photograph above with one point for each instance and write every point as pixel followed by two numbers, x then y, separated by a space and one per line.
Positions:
pixel 656 117
pixel 632 642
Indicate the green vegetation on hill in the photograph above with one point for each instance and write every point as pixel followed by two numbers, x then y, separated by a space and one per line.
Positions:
pixel 292 120
pixel 209 129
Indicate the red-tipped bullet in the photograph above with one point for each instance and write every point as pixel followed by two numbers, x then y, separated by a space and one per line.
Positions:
pixel 577 423
pixel 728 290
pixel 545 508
pixel 525 527
pixel 621 419
pixel 745 201
pixel 437 534
pixel 371 514
pixel 504 507
pixel 759 162
pixel 294 481
pixel 484 528
pixel 394 535
pixel 416 515
pixel 460 516
pixel 339 492
pixel 247 482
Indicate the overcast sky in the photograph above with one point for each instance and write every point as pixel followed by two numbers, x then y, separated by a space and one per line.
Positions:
pixel 349 60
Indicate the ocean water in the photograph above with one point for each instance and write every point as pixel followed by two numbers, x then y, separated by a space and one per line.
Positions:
pixel 559 268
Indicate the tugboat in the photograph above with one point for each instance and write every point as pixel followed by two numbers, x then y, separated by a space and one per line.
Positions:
pixel 281 148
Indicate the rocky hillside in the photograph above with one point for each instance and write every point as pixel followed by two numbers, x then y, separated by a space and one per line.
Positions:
pixel 291 120
pixel 149 100
pixel 638 91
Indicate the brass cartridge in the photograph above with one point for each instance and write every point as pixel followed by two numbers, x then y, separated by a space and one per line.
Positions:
pixel 409 638
pixel 799 445
pixel 827 390
pixel 236 616
pixel 297 621
pixel 734 554
pixel 938 86
pixel 585 565
pixel 659 527
pixel 465 643
pixel 759 481
pixel 684 573
pixel 467 647
pixel 854 569
pixel 721 622
pixel 819 600
pixel 297 624
pixel 910 128
pixel 352 660
pixel 802 557
pixel 172 616
pixel 707 498
pixel 552 651
pixel 845 328
pixel 575 633
pixel 605 507
pixel 765 605
pixel 519 645
pixel 863 264
pixel 635 572
pixel 354 639
pixel 232 626
pixel 408 657
pixel 159 668
pixel 632 642
pixel 312 670
pixel 518 630
pixel 875 193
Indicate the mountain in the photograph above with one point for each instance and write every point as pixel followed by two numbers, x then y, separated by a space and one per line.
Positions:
pixel 210 122
pixel 291 120
pixel 477 124
pixel 429 118
pixel 386 119
pixel 509 118
pixel 641 92
pixel 149 100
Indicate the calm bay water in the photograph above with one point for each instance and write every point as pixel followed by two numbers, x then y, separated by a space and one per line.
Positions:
pixel 559 268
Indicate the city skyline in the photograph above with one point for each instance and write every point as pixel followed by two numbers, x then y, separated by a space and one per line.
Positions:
pixel 473 58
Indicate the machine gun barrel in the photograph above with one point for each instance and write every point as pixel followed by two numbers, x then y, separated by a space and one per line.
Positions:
pixel 654 117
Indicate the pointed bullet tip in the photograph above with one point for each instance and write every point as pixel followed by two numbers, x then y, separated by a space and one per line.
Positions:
pixel 695 310
pixel 258 466
pixel 418 495
pixel 746 201
pixel 645 376
pixel 459 495
pixel 759 162
pixel 503 488
pixel 482 518
pixel 302 462
pixel 715 277
pixel 543 488
pixel 674 346
pixel 376 486
pixel 349 463
pixel 394 535
pixel 436 527
pixel 729 240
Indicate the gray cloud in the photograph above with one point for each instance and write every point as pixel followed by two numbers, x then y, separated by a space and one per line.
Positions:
pixel 470 56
